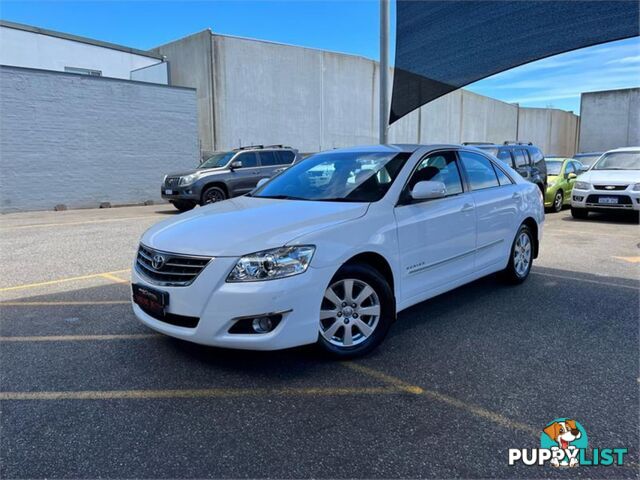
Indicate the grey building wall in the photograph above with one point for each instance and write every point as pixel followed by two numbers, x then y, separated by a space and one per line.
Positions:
pixel 266 92
pixel 609 119
pixel 80 140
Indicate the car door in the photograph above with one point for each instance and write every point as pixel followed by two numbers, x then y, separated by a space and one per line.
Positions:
pixel 568 182
pixel 245 178
pixel 436 237
pixel 269 162
pixel 495 197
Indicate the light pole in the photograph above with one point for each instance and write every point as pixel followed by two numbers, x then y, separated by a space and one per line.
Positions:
pixel 384 70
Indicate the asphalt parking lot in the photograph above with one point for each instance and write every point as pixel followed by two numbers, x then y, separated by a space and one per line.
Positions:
pixel 87 391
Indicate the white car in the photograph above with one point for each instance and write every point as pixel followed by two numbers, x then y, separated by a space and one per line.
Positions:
pixel 612 183
pixel 330 250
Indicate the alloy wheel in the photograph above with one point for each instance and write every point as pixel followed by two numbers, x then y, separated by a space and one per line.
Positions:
pixel 557 204
pixel 350 312
pixel 213 196
pixel 522 254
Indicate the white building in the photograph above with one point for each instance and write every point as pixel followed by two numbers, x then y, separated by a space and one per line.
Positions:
pixel 32 47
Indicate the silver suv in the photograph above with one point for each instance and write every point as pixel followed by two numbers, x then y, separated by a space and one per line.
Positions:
pixel 225 174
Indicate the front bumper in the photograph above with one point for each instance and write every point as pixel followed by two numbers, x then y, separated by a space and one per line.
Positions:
pixel 217 303
pixel 180 193
pixel 627 200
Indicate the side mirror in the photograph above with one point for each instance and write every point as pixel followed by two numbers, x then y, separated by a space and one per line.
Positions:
pixel 428 190
pixel 571 176
pixel 236 164
pixel 261 182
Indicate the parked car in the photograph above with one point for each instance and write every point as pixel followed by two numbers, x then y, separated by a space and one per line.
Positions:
pixel 561 175
pixel 224 175
pixel 330 250
pixel 611 184
pixel 524 158
pixel 587 159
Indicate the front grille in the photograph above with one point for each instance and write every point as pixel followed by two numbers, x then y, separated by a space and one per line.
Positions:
pixel 172 182
pixel 622 200
pixel 610 187
pixel 171 269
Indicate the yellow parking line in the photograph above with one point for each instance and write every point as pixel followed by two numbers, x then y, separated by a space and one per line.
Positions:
pixel 76 338
pixel 578 279
pixel 629 259
pixel 63 280
pixel 441 397
pixel 64 304
pixel 86 222
pixel 113 278
pixel 196 393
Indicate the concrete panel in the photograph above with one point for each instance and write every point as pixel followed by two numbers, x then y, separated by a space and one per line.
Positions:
pixel 487 120
pixel 81 140
pixel 554 131
pixel 267 93
pixel 609 119
pixel 441 120
pixel 190 66
pixel 158 73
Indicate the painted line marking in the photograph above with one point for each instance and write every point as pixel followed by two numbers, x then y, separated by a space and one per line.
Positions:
pixel 64 304
pixel 196 393
pixel 577 279
pixel 629 259
pixel 443 398
pixel 113 278
pixel 86 222
pixel 583 233
pixel 77 338
pixel 63 280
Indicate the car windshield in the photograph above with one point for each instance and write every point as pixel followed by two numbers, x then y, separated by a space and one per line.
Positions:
pixel 554 167
pixel 337 176
pixel 588 160
pixel 619 161
pixel 217 160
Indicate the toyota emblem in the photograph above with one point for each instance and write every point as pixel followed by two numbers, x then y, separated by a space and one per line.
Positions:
pixel 158 261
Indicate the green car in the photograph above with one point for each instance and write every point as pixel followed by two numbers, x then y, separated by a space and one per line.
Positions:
pixel 561 175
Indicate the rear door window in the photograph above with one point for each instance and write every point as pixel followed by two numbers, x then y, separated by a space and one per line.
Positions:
pixel 505 157
pixel 269 159
pixel 520 158
pixel 285 157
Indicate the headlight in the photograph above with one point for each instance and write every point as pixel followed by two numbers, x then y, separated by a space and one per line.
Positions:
pixel 188 179
pixel 636 187
pixel 582 186
pixel 271 264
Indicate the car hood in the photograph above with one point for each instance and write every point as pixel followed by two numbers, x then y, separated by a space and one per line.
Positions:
pixel 196 170
pixel 611 176
pixel 245 225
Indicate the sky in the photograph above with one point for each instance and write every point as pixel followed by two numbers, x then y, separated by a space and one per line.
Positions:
pixel 342 26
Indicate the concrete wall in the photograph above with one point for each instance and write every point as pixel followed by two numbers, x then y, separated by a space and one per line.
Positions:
pixel 266 92
pixel 29 49
pixel 158 73
pixel 609 119
pixel 78 140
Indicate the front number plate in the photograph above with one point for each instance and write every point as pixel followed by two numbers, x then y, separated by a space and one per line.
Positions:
pixel 150 298
pixel 608 200
pixel 168 192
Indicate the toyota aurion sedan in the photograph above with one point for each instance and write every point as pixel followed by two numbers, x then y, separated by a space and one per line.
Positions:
pixel 330 250
pixel 611 184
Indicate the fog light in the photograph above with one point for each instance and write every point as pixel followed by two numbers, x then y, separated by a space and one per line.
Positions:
pixel 578 199
pixel 262 324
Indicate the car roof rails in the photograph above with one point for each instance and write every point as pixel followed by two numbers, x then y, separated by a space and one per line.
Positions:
pixel 249 147
pixel 277 146
pixel 478 143
pixel 513 142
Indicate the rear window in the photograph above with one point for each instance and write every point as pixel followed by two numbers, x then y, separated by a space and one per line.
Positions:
pixel 286 157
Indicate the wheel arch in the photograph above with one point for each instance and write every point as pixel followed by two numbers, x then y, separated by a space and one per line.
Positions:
pixel 533 226
pixel 378 262
pixel 218 184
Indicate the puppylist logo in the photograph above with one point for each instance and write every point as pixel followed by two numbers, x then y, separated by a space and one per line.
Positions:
pixel 563 444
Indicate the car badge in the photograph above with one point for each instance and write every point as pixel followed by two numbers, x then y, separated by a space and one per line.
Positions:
pixel 158 261
pixel 609 187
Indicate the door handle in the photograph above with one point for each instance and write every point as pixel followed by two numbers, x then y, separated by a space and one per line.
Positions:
pixel 467 207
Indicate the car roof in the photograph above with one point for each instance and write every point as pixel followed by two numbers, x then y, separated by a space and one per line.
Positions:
pixel 624 149
pixel 398 147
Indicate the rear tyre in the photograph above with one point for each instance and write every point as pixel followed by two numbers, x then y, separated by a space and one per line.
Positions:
pixel 558 200
pixel 521 257
pixel 580 213
pixel 183 205
pixel 356 312
pixel 213 195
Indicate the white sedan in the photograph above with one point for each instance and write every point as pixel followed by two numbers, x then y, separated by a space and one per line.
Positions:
pixel 612 183
pixel 330 250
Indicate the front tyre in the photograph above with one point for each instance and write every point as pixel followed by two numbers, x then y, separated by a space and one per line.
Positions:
pixel 213 195
pixel 558 200
pixel 521 257
pixel 183 205
pixel 356 312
